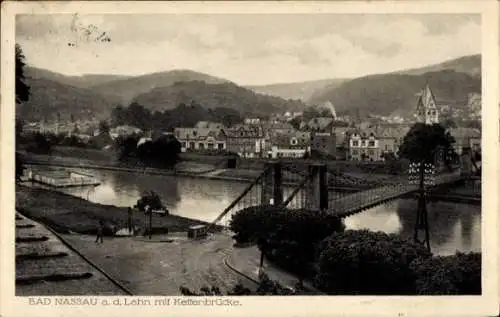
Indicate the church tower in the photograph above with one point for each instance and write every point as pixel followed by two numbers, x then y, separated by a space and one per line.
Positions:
pixel 427 111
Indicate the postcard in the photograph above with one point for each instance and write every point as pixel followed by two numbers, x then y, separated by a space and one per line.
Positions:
pixel 250 158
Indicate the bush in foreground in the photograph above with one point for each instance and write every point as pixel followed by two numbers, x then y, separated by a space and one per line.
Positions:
pixel 368 263
pixel 287 237
pixel 251 223
pixel 458 274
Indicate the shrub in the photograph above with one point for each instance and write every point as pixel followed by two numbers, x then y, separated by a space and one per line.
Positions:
pixel 459 274
pixel 250 224
pixel 294 235
pixel 367 263
pixel 287 237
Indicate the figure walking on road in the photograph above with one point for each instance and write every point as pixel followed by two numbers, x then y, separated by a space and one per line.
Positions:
pixel 100 230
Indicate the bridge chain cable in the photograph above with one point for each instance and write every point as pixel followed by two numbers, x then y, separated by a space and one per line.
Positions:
pixel 251 196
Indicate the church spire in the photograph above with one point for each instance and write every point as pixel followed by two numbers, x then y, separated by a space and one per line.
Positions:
pixel 427 111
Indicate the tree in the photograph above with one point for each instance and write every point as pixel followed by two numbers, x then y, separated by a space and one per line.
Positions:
pixel 104 126
pixel 165 151
pixel 118 116
pixel 227 116
pixel 151 199
pixel 295 122
pixel 139 116
pixel 19 126
pixel 19 166
pixel 127 146
pixel 22 89
pixel 423 141
pixel 41 144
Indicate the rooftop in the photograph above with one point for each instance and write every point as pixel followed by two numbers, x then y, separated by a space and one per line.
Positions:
pixel 296 140
pixel 244 131
pixel 198 133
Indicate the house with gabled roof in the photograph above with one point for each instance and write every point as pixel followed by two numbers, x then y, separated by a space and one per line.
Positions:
pixel 274 128
pixel 364 146
pixel 246 140
pixel 201 139
pixel 390 137
pixel 290 145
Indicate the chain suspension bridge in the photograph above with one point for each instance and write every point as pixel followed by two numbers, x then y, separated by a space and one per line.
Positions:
pixel 321 187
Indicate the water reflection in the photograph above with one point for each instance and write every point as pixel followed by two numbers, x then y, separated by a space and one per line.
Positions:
pixel 452 226
pixel 380 218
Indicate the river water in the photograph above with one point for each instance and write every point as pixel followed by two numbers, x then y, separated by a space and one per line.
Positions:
pixel 453 227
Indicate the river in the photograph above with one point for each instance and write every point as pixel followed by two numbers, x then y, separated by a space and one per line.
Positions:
pixel 452 226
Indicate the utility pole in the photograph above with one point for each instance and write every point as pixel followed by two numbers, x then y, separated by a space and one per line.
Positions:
pixel 422 222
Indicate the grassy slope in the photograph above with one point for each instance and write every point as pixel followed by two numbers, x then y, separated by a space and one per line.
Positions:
pixel 67 213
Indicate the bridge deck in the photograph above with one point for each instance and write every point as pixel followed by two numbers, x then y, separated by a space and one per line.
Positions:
pixel 357 202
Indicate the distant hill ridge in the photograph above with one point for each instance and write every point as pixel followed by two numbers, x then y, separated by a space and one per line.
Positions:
pixel 299 90
pixel 310 91
pixel 470 64
pixel 83 81
pixel 212 95
pixel 392 93
pixel 129 88
pixel 49 98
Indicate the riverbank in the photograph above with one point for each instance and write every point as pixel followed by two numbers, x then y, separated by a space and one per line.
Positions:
pixel 203 166
pixel 192 170
pixel 65 213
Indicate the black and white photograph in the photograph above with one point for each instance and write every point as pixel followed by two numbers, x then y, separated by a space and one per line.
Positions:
pixel 238 154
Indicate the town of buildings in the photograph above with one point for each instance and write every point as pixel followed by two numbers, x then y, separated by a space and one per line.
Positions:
pixel 277 138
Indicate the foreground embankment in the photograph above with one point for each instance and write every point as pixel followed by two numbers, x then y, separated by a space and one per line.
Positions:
pixel 65 213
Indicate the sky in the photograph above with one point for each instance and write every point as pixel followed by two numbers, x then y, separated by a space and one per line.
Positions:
pixel 248 49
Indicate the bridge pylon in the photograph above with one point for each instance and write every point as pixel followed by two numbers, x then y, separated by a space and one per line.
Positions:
pixel 317 188
pixel 272 185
